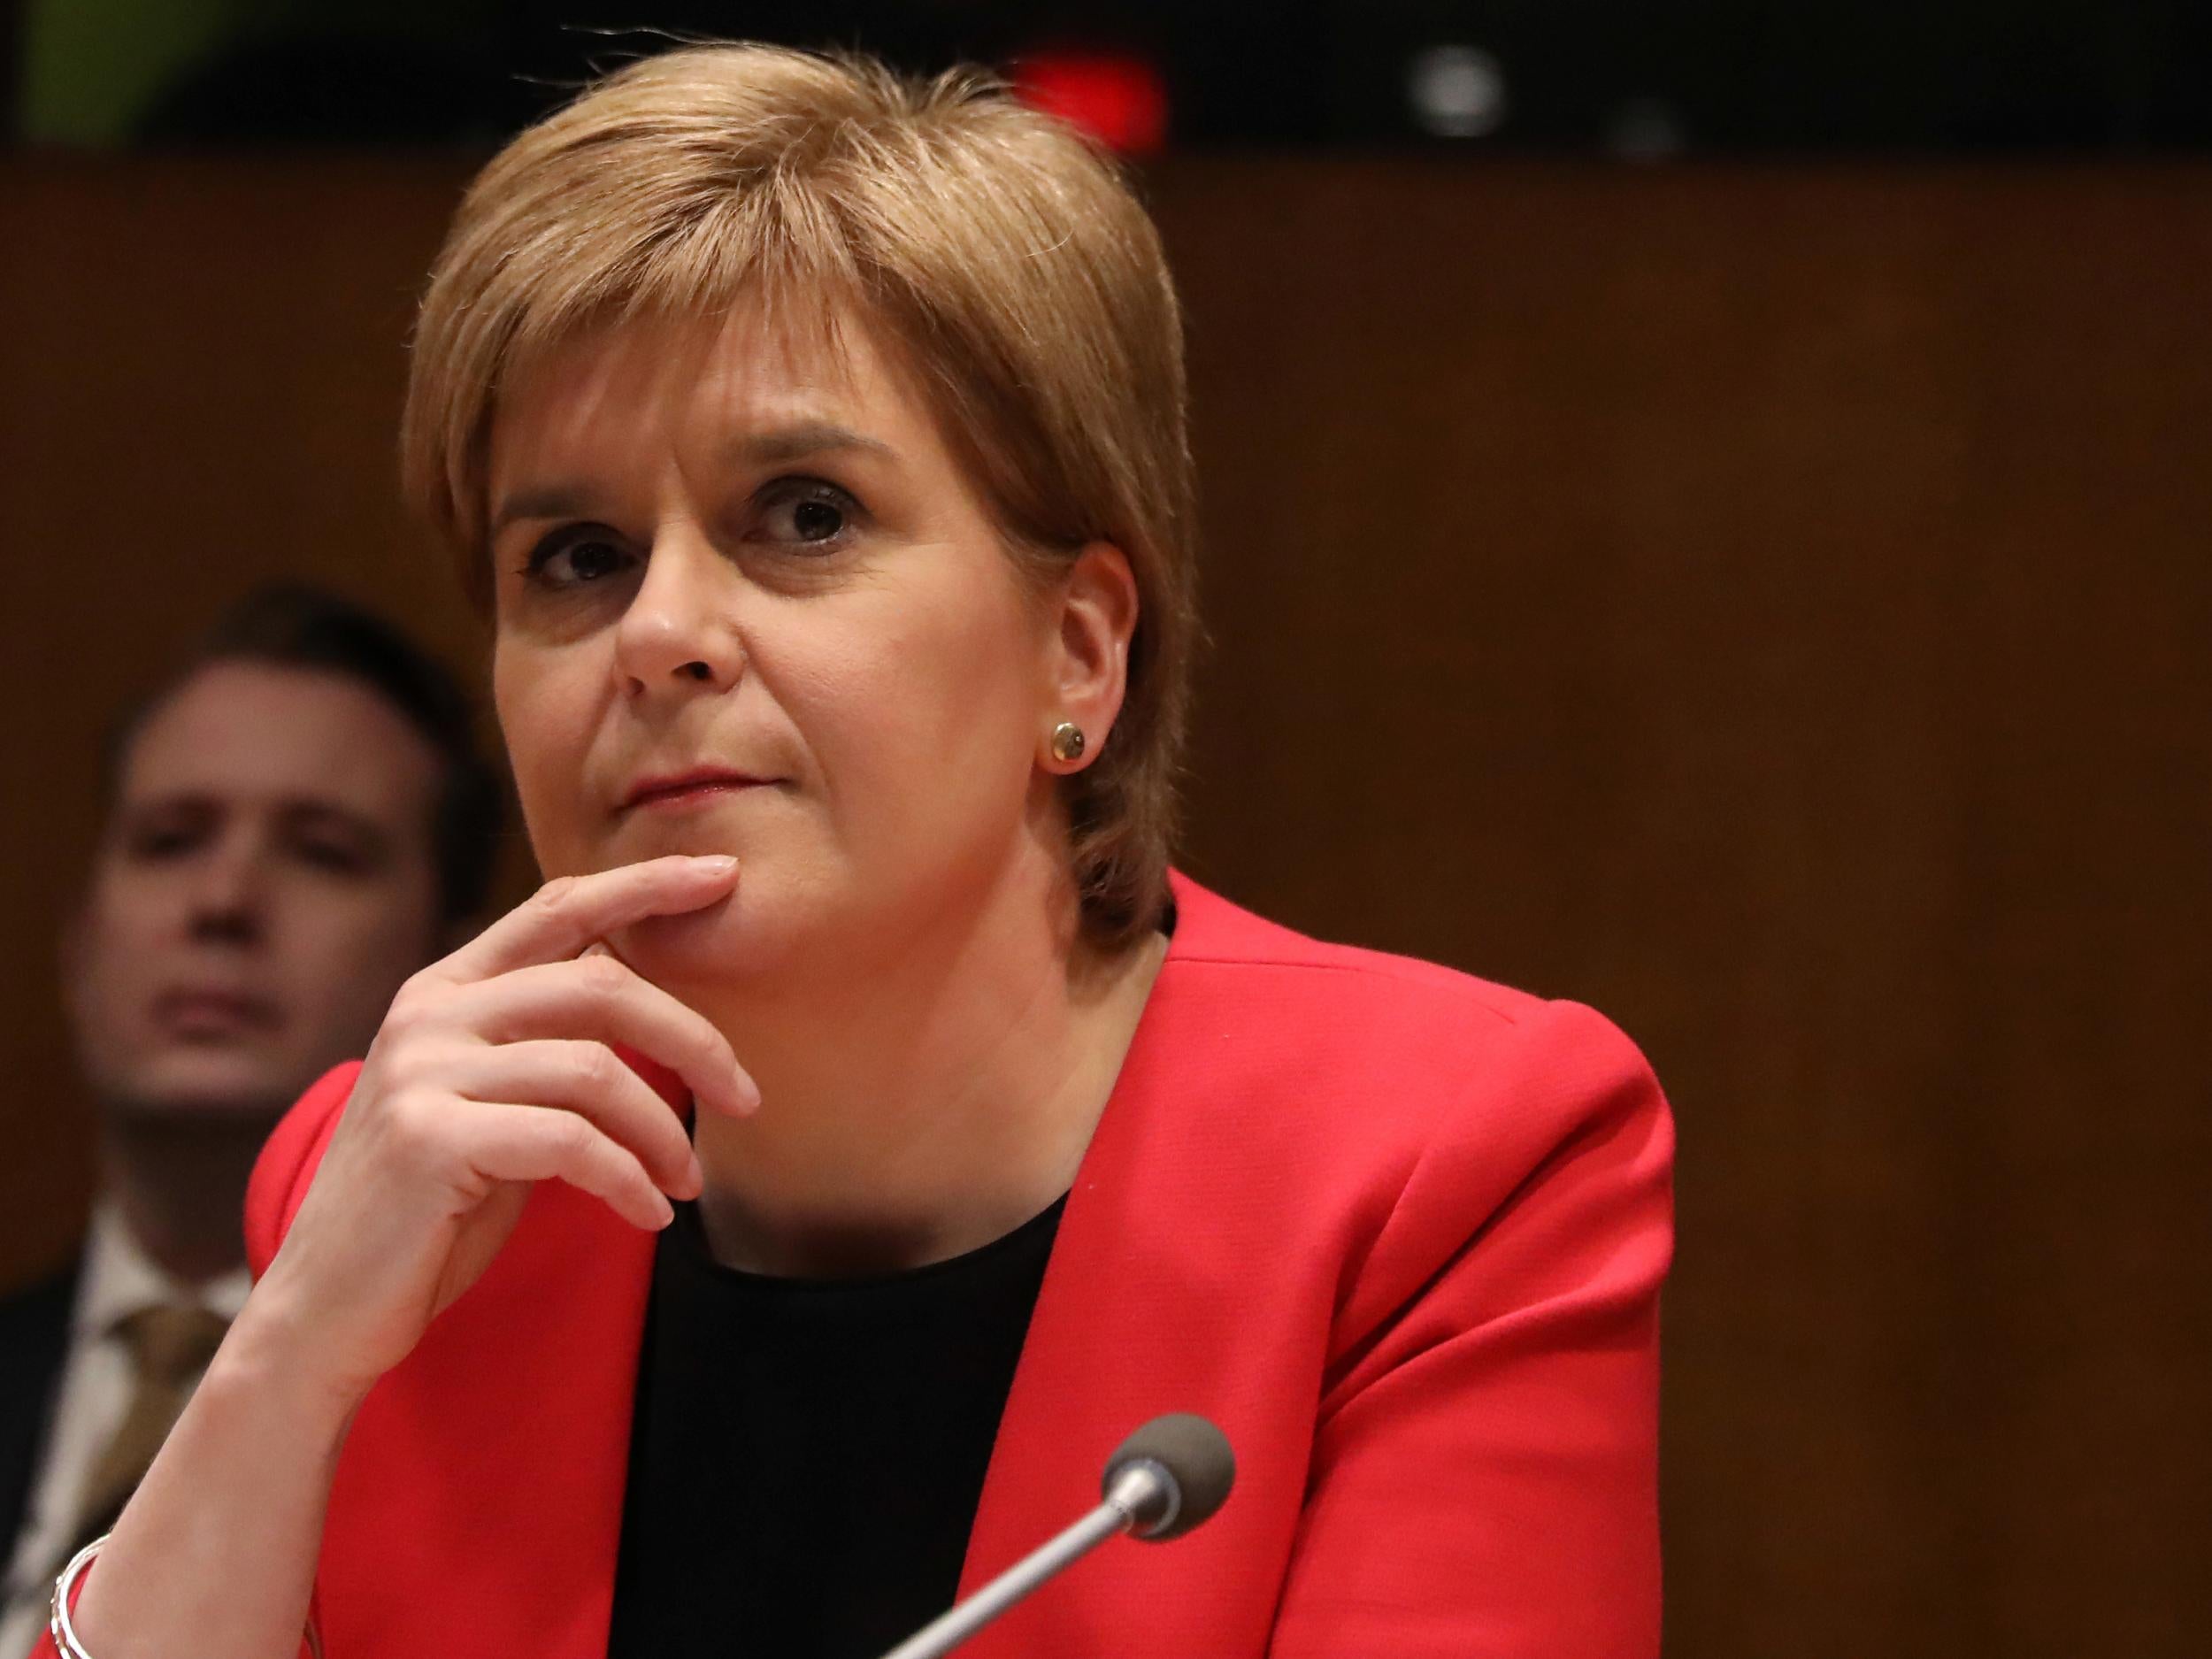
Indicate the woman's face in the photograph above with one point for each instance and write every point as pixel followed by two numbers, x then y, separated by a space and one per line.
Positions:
pixel 748 603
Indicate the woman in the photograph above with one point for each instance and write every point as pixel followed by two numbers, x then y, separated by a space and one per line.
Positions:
pixel 816 442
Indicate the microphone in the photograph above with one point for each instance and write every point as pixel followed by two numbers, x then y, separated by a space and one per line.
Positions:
pixel 1167 1478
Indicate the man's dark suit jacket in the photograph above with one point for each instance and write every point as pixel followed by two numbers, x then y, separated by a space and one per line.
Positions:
pixel 33 1344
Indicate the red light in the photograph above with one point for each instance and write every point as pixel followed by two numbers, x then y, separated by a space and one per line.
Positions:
pixel 1119 100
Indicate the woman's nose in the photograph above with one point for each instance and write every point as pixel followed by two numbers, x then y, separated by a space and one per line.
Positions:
pixel 678 631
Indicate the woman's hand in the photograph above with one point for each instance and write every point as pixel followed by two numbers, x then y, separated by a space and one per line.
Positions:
pixel 495 1069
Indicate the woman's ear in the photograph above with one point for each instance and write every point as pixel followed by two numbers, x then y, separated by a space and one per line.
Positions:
pixel 1088 666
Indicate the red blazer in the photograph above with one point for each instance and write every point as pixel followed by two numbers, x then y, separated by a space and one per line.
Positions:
pixel 1399 1232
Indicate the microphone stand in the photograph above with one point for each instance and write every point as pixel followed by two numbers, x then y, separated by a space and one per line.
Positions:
pixel 1143 1491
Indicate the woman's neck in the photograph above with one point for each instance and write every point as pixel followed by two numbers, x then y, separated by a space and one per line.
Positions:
pixel 911 1115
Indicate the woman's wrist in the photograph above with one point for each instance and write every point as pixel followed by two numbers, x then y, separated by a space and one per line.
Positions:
pixel 272 1353
pixel 221 1538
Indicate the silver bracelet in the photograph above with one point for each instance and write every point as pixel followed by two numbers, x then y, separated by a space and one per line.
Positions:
pixel 64 1633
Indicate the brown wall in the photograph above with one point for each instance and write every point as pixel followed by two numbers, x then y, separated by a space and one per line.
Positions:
pixel 1770 605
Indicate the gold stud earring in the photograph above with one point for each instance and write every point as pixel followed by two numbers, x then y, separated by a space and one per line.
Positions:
pixel 1067 741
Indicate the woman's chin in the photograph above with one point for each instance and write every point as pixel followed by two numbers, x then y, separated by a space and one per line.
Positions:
pixel 717 945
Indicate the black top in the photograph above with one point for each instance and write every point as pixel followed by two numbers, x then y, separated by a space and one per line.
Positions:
pixel 807 1455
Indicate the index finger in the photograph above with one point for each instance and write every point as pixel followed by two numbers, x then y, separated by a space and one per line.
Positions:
pixel 570 912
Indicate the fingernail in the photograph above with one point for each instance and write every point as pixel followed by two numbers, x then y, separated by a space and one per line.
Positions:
pixel 667 1210
pixel 721 864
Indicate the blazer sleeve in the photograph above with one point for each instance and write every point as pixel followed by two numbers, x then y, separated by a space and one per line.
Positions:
pixel 278 1182
pixel 288 1161
pixel 1485 1474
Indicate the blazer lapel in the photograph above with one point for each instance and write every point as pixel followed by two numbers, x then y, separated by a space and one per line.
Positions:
pixel 1107 1351
pixel 1147 1308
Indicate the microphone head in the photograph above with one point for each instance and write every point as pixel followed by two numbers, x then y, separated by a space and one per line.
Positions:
pixel 1195 1458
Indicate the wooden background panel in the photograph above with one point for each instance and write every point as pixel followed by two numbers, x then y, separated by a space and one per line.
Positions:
pixel 1771 605
pixel 1768 604
pixel 198 387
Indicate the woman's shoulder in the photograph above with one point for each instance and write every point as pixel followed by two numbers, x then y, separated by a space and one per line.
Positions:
pixel 1388 1111
pixel 1370 1006
pixel 1389 1064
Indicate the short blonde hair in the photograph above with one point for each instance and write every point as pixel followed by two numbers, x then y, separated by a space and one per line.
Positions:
pixel 1001 253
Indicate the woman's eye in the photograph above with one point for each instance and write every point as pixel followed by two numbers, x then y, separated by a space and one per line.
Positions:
pixel 570 558
pixel 816 520
pixel 808 512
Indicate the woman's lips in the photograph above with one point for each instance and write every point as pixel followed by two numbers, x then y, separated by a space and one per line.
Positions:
pixel 695 789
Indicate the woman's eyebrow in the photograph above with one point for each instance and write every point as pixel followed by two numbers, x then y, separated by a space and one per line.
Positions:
pixel 780 444
pixel 547 501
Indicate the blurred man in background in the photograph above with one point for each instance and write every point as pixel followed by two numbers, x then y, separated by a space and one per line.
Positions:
pixel 296 822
